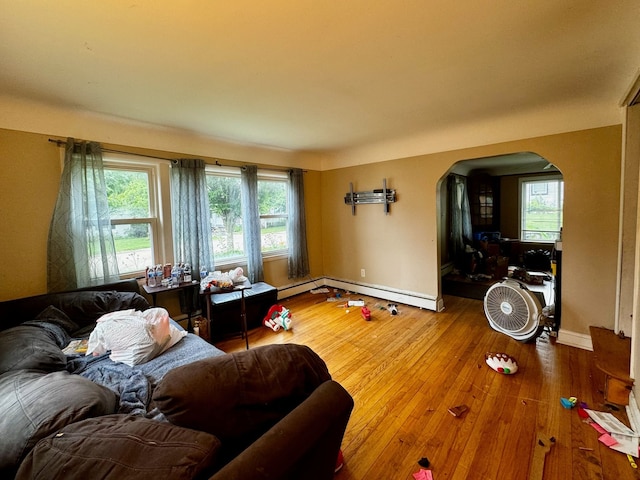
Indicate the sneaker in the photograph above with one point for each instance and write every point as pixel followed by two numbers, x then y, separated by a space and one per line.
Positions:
pixel 339 462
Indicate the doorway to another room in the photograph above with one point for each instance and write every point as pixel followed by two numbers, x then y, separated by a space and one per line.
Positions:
pixel 501 217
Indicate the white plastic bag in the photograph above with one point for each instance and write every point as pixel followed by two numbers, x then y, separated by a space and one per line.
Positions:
pixel 132 336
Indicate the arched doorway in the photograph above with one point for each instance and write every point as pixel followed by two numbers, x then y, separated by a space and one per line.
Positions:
pixel 502 233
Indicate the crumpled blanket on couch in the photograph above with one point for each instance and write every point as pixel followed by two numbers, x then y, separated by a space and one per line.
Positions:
pixel 134 385
pixel 131 385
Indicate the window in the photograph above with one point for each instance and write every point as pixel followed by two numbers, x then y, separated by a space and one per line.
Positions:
pixel 272 205
pixel 133 209
pixel 226 213
pixel 542 200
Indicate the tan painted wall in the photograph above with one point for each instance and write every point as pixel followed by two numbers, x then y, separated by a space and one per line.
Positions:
pixel 31 168
pixel 29 180
pixel 400 250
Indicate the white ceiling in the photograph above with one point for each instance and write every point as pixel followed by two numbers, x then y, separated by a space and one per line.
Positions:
pixel 317 75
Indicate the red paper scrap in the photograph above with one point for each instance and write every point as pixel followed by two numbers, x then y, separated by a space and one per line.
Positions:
pixel 598 428
pixel 608 440
pixel 423 474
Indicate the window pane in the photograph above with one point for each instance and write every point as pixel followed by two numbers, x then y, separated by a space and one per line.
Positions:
pixel 272 199
pixel 127 193
pixel 273 232
pixel 226 216
pixel 133 246
pixel 128 197
pixel 542 204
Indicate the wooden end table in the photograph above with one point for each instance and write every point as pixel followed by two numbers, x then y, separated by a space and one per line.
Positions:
pixel 185 286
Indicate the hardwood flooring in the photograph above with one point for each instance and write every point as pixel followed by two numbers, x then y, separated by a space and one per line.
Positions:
pixel 405 371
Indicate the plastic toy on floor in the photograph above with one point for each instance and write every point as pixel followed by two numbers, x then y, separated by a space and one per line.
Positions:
pixel 278 317
pixel 502 363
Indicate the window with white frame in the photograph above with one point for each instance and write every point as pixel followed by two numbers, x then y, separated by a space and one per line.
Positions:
pixel 541 205
pixel 133 207
pixel 226 213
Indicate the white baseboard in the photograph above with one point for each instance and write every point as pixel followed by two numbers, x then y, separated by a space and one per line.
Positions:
pixel 295 289
pixel 565 337
pixel 573 339
pixel 377 291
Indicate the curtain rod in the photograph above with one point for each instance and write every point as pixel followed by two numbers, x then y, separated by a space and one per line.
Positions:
pixel 61 143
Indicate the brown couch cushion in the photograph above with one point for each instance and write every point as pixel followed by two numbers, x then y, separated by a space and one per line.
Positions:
pixel 82 307
pixel 33 405
pixel 30 347
pixel 240 395
pixel 120 447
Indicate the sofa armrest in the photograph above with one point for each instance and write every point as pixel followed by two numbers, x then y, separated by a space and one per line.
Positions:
pixel 303 445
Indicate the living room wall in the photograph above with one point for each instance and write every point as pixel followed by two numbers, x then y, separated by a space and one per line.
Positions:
pixel 29 186
pixel 400 250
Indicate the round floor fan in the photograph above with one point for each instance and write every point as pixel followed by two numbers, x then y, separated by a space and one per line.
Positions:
pixel 514 310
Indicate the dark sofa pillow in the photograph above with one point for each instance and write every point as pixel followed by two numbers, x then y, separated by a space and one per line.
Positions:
pixel 56 316
pixel 239 396
pixel 86 307
pixel 83 307
pixel 34 405
pixel 118 447
pixel 31 346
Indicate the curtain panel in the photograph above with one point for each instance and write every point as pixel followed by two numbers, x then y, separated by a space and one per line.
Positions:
pixel 80 249
pixel 460 218
pixel 251 223
pixel 298 259
pixel 192 236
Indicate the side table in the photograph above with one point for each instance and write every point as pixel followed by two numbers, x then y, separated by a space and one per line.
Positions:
pixel 243 311
pixel 185 287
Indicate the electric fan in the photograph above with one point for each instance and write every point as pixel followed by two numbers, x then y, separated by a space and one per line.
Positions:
pixel 514 310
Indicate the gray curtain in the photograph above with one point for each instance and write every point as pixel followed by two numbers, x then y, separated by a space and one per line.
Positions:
pixel 460 218
pixel 192 237
pixel 251 223
pixel 80 249
pixel 297 227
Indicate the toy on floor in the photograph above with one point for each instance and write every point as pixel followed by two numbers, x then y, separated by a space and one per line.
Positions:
pixel 366 313
pixel 502 363
pixel 278 317
pixel 568 402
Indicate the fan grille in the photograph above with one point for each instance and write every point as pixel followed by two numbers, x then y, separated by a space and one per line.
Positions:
pixel 507 308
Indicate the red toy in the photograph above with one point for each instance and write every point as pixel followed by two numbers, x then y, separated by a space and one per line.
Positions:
pixel 366 314
pixel 278 317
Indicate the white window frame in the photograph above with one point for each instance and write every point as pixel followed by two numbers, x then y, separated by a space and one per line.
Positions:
pixel 522 182
pixel 114 161
pixel 269 175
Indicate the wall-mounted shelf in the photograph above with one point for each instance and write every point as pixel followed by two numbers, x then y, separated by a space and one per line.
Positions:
pixel 384 196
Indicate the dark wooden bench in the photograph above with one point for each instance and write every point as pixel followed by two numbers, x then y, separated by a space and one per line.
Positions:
pixel 224 309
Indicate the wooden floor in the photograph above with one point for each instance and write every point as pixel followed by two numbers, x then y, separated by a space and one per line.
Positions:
pixel 405 371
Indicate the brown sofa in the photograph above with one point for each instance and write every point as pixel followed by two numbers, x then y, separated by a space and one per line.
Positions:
pixel 271 412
